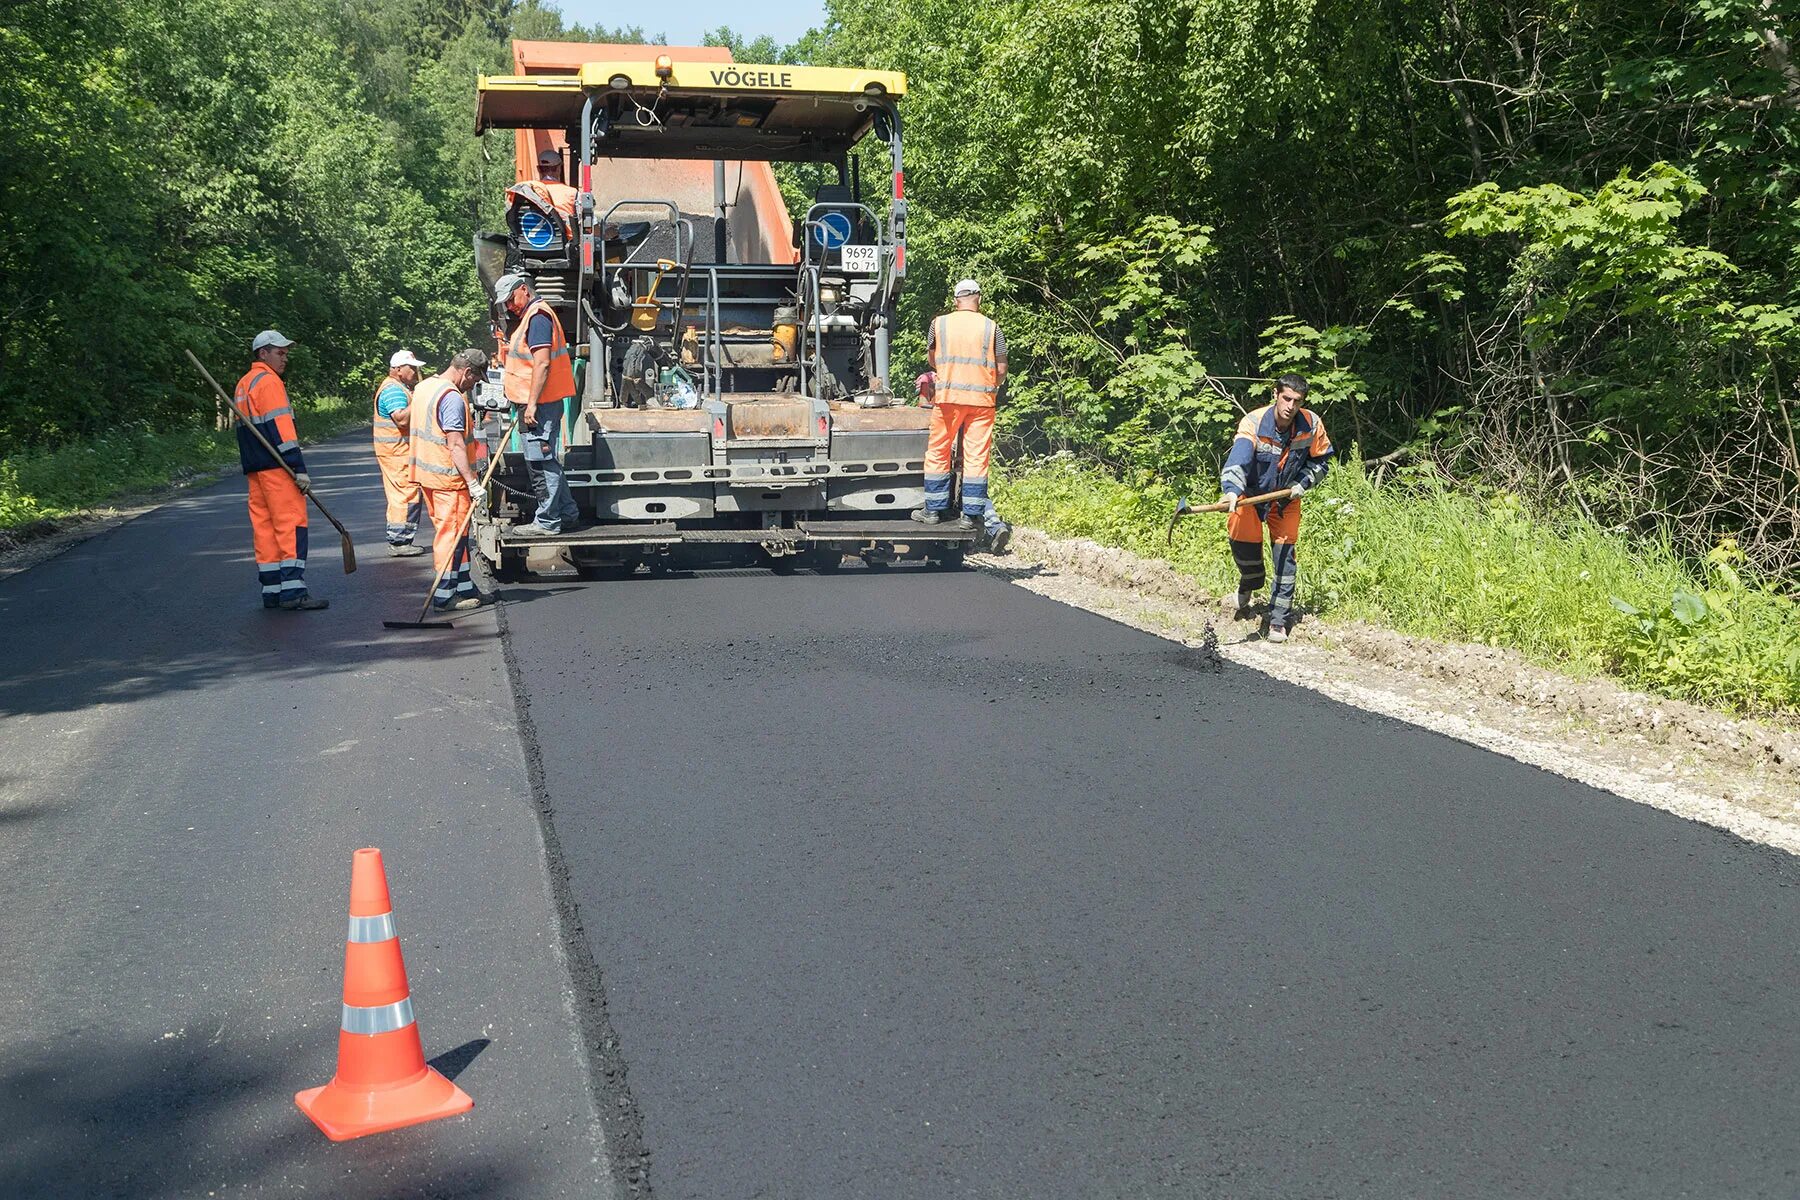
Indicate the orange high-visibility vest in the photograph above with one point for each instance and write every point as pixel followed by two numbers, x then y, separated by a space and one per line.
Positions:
pixel 968 359
pixel 432 465
pixel 553 197
pixel 391 445
pixel 516 376
pixel 262 398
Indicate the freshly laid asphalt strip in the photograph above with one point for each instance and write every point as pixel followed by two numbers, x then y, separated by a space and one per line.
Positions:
pixel 916 884
pixel 184 778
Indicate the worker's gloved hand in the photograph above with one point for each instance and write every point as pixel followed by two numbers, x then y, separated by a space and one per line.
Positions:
pixel 477 493
pixel 304 481
pixel 1297 491
pixel 1230 500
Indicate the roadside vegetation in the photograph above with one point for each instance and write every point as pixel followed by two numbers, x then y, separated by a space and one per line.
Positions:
pixel 137 460
pixel 1474 567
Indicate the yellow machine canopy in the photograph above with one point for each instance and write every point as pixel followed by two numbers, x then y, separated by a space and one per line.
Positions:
pixel 668 108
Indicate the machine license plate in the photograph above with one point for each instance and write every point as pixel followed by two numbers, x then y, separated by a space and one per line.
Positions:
pixel 865 259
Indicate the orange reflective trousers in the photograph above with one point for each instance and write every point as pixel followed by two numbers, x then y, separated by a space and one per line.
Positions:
pixel 450 542
pixel 973 426
pixel 278 533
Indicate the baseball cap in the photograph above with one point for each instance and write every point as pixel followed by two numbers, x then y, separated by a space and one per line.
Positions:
pixel 549 158
pixel 269 337
pixel 968 287
pixel 507 284
pixel 404 358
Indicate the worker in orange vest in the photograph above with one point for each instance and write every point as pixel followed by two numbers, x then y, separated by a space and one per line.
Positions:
pixel 966 353
pixel 393 453
pixel 277 500
pixel 442 423
pixel 538 376
pixel 550 189
pixel 1280 445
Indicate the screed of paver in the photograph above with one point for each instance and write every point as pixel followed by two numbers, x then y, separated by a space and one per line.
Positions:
pixel 915 884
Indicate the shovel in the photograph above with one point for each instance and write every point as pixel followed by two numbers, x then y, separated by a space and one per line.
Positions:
pixel 1184 509
pixel 493 461
pixel 344 534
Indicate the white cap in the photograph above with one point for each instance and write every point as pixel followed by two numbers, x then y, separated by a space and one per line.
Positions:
pixel 404 358
pixel 269 337
pixel 968 287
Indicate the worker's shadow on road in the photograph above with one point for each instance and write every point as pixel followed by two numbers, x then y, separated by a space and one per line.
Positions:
pixel 91 1115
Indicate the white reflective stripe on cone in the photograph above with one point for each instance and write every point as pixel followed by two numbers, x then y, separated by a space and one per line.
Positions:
pixel 372 929
pixel 380 1018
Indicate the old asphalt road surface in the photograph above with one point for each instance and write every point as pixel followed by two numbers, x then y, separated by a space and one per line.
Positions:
pixel 184 779
pixel 889 884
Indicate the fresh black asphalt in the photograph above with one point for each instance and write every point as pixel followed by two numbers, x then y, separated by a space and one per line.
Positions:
pixel 885 884
pixel 920 885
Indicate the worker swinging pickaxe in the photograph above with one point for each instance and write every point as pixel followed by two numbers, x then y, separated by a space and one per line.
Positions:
pixel 1184 509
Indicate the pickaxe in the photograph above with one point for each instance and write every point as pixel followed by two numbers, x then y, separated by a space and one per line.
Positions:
pixel 1184 509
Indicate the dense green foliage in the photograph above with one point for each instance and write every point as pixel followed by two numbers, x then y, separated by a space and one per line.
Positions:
pixel 137 458
pixel 183 174
pixel 1476 566
pixel 1538 243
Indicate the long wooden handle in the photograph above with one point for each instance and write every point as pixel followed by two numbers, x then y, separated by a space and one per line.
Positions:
pixel 1182 509
pixel 1266 497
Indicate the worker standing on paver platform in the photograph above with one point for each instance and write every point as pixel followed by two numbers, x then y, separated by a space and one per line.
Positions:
pixel 538 376
pixel 393 453
pixel 442 420
pixel 550 188
pixel 1280 445
pixel 966 353
pixel 277 500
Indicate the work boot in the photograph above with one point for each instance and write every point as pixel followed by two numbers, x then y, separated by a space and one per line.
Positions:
pixel 1244 600
pixel 999 538
pixel 963 521
pixel 405 550
pixel 305 602
pixel 928 516
pixel 533 529
pixel 1278 633
pixel 461 603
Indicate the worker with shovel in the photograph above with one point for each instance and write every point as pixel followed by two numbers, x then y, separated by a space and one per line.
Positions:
pixel 277 498
pixel 441 422
pixel 1280 448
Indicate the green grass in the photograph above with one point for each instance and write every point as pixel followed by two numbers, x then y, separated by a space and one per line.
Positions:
pixel 1425 560
pixel 134 460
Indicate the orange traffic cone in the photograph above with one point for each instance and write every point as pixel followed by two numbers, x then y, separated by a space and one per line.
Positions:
pixel 382 1081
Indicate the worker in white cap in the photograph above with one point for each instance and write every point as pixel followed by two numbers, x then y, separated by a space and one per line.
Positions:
pixel 277 501
pixel 393 453
pixel 966 353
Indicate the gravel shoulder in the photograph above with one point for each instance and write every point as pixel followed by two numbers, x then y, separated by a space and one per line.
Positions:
pixel 1736 774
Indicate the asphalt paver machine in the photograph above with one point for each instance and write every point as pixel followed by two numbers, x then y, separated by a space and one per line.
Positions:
pixel 731 361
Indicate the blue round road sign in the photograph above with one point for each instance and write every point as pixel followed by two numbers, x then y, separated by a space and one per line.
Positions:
pixel 536 230
pixel 832 229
